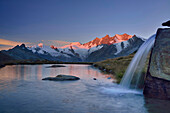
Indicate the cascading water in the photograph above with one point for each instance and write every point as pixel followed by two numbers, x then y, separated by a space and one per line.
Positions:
pixel 132 76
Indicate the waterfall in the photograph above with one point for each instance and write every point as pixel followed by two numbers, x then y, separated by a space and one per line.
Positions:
pixel 132 76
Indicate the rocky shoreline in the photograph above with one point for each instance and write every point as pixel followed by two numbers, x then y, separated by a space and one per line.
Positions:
pixel 2 65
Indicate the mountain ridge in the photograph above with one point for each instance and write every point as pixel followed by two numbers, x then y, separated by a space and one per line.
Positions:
pixel 92 51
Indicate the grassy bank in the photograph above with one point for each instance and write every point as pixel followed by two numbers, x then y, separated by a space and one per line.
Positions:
pixel 116 66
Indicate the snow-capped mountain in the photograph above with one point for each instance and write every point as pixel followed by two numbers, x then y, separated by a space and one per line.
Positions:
pixel 108 40
pixel 123 48
pixel 106 47
pixel 57 43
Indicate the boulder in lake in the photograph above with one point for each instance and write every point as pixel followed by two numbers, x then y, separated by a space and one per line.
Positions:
pixel 94 79
pixel 54 66
pixel 62 78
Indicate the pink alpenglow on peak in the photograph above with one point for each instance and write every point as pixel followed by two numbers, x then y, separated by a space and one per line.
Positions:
pixel 40 45
pixel 83 50
pixel 99 41
pixel 108 40
pixel 74 45
pixel 53 47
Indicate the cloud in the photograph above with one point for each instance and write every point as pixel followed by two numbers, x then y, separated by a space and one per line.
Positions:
pixel 7 44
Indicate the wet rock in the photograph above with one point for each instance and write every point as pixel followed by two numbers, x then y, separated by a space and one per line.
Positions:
pixel 55 66
pixel 62 78
pixel 95 65
pixel 94 79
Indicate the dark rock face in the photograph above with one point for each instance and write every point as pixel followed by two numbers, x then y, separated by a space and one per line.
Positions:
pixel 166 23
pixel 156 87
pixel 2 65
pixel 157 82
pixel 62 78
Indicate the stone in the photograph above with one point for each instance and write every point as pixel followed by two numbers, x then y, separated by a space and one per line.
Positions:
pixel 160 63
pixel 62 78
pixel 166 23
pixel 157 81
pixel 54 66
pixel 2 65
pixel 94 79
pixel 109 78
pixel 157 88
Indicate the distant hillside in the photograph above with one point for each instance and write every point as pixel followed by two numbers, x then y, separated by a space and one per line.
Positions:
pixel 22 54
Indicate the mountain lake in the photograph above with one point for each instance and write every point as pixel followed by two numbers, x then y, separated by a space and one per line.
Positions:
pixel 22 90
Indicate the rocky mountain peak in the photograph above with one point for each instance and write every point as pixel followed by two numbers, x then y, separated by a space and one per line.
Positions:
pixel 166 23
pixel 75 43
pixel 123 36
pixel 107 36
pixel 108 40
pixel 22 46
pixel 97 38
pixel 53 47
pixel 40 45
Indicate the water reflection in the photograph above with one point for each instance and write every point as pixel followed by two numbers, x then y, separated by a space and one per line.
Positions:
pixel 13 73
pixel 38 72
pixel 83 71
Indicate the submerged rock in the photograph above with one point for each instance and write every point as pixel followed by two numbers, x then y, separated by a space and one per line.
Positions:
pixel 109 78
pixel 54 66
pixel 62 78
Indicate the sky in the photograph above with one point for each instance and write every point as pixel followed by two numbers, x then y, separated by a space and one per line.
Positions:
pixel 80 20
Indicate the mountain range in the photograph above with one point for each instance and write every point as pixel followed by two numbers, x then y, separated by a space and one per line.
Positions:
pixel 92 51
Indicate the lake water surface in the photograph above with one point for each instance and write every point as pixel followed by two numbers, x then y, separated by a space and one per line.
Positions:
pixel 23 91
